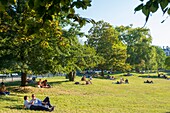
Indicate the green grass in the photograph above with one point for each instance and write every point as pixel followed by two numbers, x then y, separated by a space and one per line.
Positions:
pixel 101 97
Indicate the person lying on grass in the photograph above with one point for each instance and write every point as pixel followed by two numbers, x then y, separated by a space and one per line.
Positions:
pixel 45 102
pixel 32 106
pixel 147 81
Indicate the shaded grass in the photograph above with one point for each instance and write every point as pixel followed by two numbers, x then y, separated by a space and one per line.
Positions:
pixel 103 96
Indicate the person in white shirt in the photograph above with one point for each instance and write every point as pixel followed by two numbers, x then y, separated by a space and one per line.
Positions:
pixel 45 102
pixel 31 106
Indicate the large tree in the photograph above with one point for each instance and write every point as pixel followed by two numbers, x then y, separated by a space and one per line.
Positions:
pixel 141 54
pixel 31 38
pixel 79 56
pixel 139 50
pixel 104 38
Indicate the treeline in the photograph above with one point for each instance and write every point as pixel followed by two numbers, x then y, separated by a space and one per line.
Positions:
pixel 125 48
pixel 42 37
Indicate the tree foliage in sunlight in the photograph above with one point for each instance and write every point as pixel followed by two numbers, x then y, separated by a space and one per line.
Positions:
pixel 151 6
pixel 47 9
pixel 31 37
pixel 141 54
pixel 104 38
pixel 167 62
pixel 79 56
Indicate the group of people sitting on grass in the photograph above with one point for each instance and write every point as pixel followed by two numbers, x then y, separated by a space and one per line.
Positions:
pixel 110 77
pixel 162 76
pixel 87 82
pixel 3 90
pixel 43 84
pixel 37 104
pixel 126 81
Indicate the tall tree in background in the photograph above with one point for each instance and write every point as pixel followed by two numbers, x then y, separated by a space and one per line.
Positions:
pixel 138 41
pixel 160 57
pixel 79 56
pixel 167 62
pixel 104 38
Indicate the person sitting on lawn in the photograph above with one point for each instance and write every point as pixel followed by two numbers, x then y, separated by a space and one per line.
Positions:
pixel 45 85
pixel 3 90
pixel 112 77
pixel 39 83
pixel 159 75
pixel 45 102
pixel 90 78
pixel 30 105
pixel 83 78
pixel 126 81
pixel 121 80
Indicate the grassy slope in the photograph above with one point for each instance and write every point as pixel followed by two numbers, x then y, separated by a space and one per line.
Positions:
pixel 101 97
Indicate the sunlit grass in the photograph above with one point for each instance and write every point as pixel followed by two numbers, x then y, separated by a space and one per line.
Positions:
pixel 103 96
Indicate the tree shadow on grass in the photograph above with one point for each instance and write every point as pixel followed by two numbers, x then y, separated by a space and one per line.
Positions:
pixel 18 89
pixel 6 98
pixel 17 107
pixel 58 82
pixel 168 75
pixel 151 77
pixel 13 83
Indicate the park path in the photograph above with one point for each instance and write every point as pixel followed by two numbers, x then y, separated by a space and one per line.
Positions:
pixel 10 79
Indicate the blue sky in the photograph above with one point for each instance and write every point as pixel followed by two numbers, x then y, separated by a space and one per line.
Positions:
pixel 121 12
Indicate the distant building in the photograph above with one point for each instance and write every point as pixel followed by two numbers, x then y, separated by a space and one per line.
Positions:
pixel 166 50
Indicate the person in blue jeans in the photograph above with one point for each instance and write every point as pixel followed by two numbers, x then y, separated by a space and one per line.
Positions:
pixel 30 105
pixel 3 90
pixel 45 102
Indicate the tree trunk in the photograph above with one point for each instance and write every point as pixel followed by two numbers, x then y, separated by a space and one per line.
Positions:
pixel 137 70
pixel 23 79
pixel 71 75
pixel 102 72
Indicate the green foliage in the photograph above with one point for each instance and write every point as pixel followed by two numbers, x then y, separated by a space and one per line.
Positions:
pixel 79 56
pixel 167 62
pixel 32 40
pixel 47 9
pixel 160 58
pixel 141 55
pixel 104 38
pixel 152 6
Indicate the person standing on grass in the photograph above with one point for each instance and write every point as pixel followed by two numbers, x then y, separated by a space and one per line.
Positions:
pixel 45 102
pixel 31 106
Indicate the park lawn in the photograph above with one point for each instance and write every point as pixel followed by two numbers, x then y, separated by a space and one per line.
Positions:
pixel 103 96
